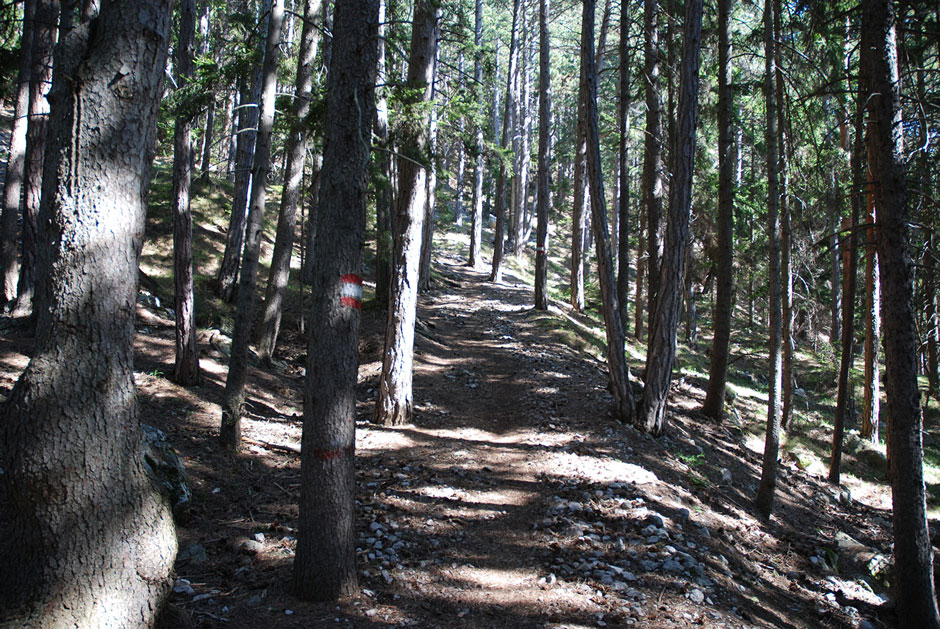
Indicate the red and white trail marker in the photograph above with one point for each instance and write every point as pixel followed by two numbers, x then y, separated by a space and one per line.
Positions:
pixel 351 291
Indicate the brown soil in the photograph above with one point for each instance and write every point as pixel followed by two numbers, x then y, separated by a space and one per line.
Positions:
pixel 506 499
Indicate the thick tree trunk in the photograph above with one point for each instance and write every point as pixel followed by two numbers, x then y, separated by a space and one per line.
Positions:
pixel 186 368
pixel 90 541
pixel 394 405
pixel 768 480
pixel 476 229
pixel 248 116
pixel 325 564
pixel 914 584
pixel 16 162
pixel 234 397
pixel 44 38
pixel 618 370
pixel 721 341
pixel 296 150
pixel 544 192
pixel 653 153
pixel 665 315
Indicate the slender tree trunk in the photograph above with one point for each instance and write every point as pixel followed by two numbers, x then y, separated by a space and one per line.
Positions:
pixel 394 405
pixel 248 116
pixel 186 369
pixel 619 371
pixel 639 307
pixel 325 564
pixel 461 153
pixel 384 197
pixel 914 585
pixel 872 386
pixel 835 309
pixel 44 37
pixel 296 150
pixel 476 229
pixel 623 205
pixel 430 202
pixel 16 163
pixel 544 192
pixel 665 315
pixel 768 481
pixel 653 155
pixel 234 396
pixel 579 208
pixel 496 274
pixel 207 139
pixel 231 133
pixel 89 540
pixel 721 341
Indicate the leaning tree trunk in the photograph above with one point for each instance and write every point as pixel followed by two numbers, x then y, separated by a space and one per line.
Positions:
pixel 325 564
pixel 44 37
pixel 619 371
pixel 90 541
pixel 662 339
pixel 296 149
pixel 544 192
pixel 914 584
pixel 394 405
pixel 16 162
pixel 234 397
pixel 768 480
pixel 186 368
pixel 721 341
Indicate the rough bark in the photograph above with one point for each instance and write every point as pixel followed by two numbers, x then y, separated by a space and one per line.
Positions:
pixel 871 387
pixel 234 396
pixel 325 564
pixel 394 405
pixel 384 197
pixel 296 150
pixel 544 192
pixel 430 199
pixel 248 116
pixel 721 341
pixel 16 161
pixel 653 152
pixel 476 229
pixel 580 207
pixel 786 265
pixel 661 350
pixel 44 37
pixel 768 480
pixel 90 540
pixel 623 201
pixel 914 584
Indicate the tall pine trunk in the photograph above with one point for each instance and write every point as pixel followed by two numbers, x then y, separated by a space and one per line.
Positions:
pixel 544 192
pixel 394 405
pixel 325 564
pixel 89 542
pixel 623 201
pixel 476 227
pixel 653 152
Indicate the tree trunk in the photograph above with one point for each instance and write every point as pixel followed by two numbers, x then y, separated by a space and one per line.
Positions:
pixel 430 200
pixel 496 274
pixel 768 480
pixel 16 163
pixel 579 208
pixel 618 370
pixel 665 314
pixel 90 542
pixel 186 368
pixel 721 341
pixel 248 116
pixel 44 38
pixel 653 152
pixel 234 396
pixel 476 229
pixel 325 564
pixel 296 149
pixel 871 394
pixel 461 153
pixel 384 197
pixel 623 205
pixel 206 159
pixel 914 585
pixel 394 405
pixel 544 192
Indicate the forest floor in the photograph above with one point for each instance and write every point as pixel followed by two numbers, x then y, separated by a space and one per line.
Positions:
pixel 514 500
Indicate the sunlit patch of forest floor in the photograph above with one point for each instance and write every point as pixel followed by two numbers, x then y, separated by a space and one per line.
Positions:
pixel 515 499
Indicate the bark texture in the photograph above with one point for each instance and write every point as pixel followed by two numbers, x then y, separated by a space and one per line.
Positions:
pixel 653 151
pixel 296 149
pixel 476 228
pixel 664 321
pixel 91 541
pixel 234 397
pixel 914 584
pixel 623 205
pixel 325 565
pixel 544 193
pixel 394 405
